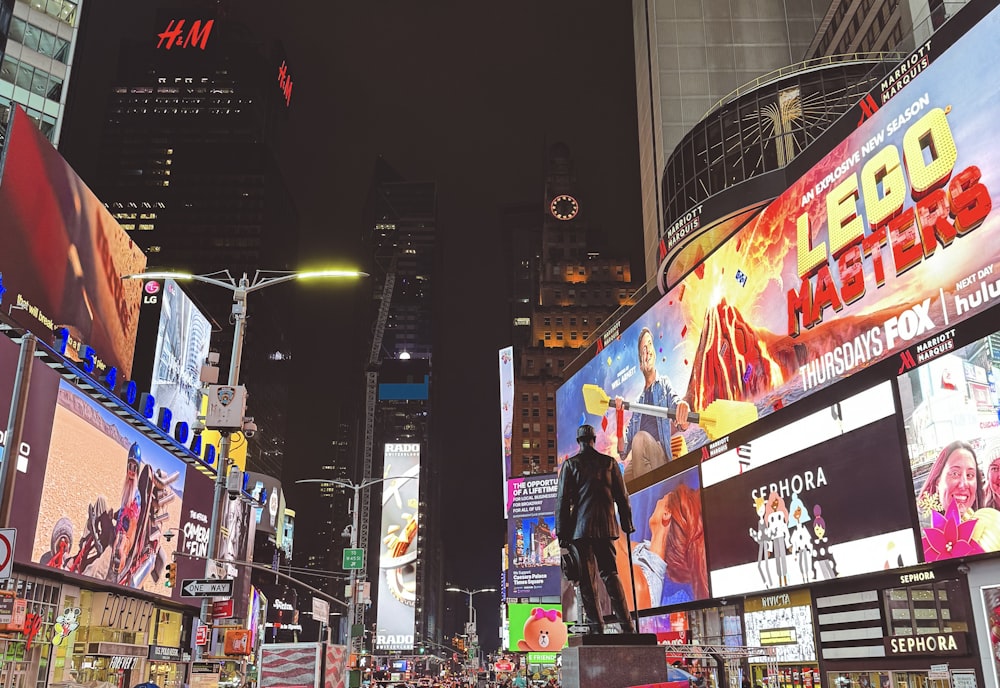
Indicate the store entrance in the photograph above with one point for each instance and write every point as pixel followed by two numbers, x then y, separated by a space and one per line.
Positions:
pixel 14 674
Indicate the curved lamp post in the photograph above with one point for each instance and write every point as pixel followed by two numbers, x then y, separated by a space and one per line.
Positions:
pixel 240 289
pixel 471 626
pixel 355 505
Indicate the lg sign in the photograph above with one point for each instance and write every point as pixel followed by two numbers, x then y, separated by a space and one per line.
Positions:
pixel 152 289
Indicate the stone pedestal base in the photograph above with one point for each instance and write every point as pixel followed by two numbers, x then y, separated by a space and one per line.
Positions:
pixel 613 661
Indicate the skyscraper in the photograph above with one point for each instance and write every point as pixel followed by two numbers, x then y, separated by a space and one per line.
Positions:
pixel 186 168
pixel 37 61
pixel 401 219
pixel 564 288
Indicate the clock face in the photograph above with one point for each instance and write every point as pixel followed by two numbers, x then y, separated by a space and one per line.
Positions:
pixel 564 207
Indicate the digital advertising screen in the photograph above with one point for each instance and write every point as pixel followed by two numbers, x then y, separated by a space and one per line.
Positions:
pixel 949 407
pixel 109 495
pixel 35 436
pixel 235 543
pixel 531 534
pixel 506 369
pixel 394 625
pixel 261 485
pixel 193 531
pixel 784 622
pixel 817 500
pixel 536 628
pixel 668 545
pixel 890 238
pixel 64 254
pixel 182 343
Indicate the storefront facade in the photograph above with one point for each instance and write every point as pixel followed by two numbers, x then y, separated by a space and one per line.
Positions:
pixel 782 621
pixel 26 656
pixel 118 639
pixel 911 628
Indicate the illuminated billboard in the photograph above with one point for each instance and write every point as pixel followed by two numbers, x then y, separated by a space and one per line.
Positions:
pixel 949 407
pixel 668 545
pixel 109 495
pixel 888 239
pixel 506 364
pixel 536 628
pixel 64 255
pixel 35 436
pixel 783 622
pixel 531 536
pixel 182 342
pixel 397 584
pixel 266 490
pixel 821 498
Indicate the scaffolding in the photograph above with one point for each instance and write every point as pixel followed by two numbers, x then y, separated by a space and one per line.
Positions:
pixel 733 657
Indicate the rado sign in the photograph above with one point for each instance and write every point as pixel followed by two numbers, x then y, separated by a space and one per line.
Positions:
pixel 930 644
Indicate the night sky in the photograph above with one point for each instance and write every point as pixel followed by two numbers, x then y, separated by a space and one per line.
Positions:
pixel 466 94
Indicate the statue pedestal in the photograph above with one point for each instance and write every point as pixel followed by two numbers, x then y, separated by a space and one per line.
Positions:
pixel 613 661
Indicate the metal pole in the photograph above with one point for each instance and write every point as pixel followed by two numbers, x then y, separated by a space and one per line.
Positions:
pixel 239 322
pixel 352 602
pixel 15 425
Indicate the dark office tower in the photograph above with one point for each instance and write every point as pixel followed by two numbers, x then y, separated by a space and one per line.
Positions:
pixel 401 218
pixel 521 224
pixel 577 287
pixel 185 167
pixel 328 508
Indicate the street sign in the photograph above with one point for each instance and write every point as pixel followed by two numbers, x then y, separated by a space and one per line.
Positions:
pixel 321 610
pixel 354 558
pixel 7 538
pixel 577 629
pixel 222 609
pixel 207 587
pixel 201 635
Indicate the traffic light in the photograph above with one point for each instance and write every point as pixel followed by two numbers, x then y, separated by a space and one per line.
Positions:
pixel 171 576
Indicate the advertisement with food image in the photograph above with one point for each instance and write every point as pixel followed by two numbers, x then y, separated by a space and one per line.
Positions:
pixel 949 406
pixel 110 495
pixel 397 582
pixel 888 239
pixel 835 508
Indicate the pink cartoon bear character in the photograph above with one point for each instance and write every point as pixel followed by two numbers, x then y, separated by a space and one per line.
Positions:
pixel 544 630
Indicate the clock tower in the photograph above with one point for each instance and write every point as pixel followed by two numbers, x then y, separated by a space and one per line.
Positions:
pixel 565 287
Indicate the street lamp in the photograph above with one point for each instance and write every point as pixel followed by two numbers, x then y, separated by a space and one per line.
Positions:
pixel 470 628
pixel 241 289
pixel 355 507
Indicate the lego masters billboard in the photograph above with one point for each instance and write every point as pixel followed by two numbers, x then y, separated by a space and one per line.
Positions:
pixel 889 239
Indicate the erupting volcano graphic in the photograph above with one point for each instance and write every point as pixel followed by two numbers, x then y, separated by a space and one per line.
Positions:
pixel 732 360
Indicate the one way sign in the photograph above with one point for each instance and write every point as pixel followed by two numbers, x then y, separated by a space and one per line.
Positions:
pixel 207 587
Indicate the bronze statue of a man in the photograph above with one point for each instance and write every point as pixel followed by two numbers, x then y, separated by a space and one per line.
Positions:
pixel 590 485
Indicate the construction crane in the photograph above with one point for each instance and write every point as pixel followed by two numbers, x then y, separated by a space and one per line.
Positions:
pixel 371 397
